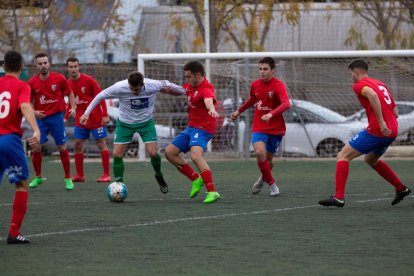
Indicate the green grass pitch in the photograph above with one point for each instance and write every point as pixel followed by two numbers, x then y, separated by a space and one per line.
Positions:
pixel 80 232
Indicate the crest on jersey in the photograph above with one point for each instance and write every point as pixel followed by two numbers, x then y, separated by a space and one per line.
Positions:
pixel 54 87
pixel 270 93
pixel 83 89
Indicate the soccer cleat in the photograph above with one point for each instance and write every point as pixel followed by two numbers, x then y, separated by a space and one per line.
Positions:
pixel 274 190
pixel 17 240
pixel 258 185
pixel 332 201
pixel 69 184
pixel 36 181
pixel 196 187
pixel 78 178
pixel 161 183
pixel 400 195
pixel 103 178
pixel 211 197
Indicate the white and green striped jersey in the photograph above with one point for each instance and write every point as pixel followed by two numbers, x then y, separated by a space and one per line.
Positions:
pixel 134 109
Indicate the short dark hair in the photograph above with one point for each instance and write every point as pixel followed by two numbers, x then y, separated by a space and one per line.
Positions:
pixel 194 67
pixel 13 61
pixel 136 78
pixel 71 59
pixel 268 60
pixel 358 64
pixel 40 54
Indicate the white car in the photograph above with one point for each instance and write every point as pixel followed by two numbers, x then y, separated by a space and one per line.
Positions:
pixel 313 130
pixel 405 121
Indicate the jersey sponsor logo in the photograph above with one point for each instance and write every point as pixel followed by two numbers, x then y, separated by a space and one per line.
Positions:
pixel 141 103
pixel 54 86
pixel 260 107
pixel 78 101
pixel 43 100
pixel 189 102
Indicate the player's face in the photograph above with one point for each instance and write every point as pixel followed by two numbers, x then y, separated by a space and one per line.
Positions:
pixel 265 72
pixel 73 69
pixel 354 75
pixel 193 79
pixel 43 65
pixel 135 89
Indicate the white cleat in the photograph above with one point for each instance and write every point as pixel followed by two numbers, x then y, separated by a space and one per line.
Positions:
pixel 274 190
pixel 258 185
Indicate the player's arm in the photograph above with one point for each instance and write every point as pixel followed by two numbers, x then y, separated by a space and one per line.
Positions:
pixel 376 107
pixel 251 101
pixel 395 109
pixel 171 88
pixel 96 89
pixel 284 105
pixel 209 102
pixel 109 93
pixel 28 113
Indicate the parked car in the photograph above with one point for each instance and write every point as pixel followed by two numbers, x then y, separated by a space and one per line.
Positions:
pixel 405 121
pixel 165 135
pixel 314 130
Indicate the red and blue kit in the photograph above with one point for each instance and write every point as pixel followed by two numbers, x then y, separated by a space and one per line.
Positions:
pixel 197 110
pixel 48 95
pixel 387 106
pixel 268 96
pixel 85 88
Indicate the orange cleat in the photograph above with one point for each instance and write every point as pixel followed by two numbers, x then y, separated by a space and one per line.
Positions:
pixel 104 178
pixel 78 178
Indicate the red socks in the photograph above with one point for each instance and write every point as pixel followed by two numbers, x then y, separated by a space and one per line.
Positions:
pixel 105 161
pixel 65 159
pixel 388 174
pixel 19 210
pixel 342 172
pixel 208 180
pixel 37 162
pixel 188 171
pixel 79 164
pixel 266 170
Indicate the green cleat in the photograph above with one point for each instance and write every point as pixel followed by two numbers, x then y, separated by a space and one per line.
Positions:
pixel 196 187
pixel 36 181
pixel 69 184
pixel 211 197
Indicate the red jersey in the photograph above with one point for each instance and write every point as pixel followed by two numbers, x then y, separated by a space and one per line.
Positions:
pixel 387 106
pixel 268 96
pixel 48 95
pixel 85 89
pixel 13 92
pixel 197 111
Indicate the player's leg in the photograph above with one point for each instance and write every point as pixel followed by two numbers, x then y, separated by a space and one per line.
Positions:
pixel 80 175
pixel 259 141
pixel 18 212
pixel 384 170
pixel 99 135
pixel 123 137
pixel 172 153
pixel 58 132
pixel 37 155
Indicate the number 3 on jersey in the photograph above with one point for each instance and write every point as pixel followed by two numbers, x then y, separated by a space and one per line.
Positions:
pixel 4 104
pixel 387 97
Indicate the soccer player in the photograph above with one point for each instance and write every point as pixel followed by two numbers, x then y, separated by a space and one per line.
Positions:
pixel 382 129
pixel 85 88
pixel 48 91
pixel 201 127
pixel 15 103
pixel 271 99
pixel 137 97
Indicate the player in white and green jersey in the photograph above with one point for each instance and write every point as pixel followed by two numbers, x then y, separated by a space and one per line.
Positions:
pixel 137 97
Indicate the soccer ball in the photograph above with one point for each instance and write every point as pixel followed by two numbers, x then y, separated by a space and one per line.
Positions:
pixel 117 191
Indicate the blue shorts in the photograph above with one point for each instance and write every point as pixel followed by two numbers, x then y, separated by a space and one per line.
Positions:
pixel 54 125
pixel 13 161
pixel 272 141
pixel 366 143
pixel 84 133
pixel 192 137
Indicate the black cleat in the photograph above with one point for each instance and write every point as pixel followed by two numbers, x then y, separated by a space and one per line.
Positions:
pixel 17 240
pixel 332 201
pixel 400 195
pixel 162 184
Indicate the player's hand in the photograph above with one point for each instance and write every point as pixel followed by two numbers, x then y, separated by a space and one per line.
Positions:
pixel 39 114
pixel 72 113
pixel 265 118
pixel 34 141
pixel 105 120
pixel 235 115
pixel 213 113
pixel 384 129
pixel 83 119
